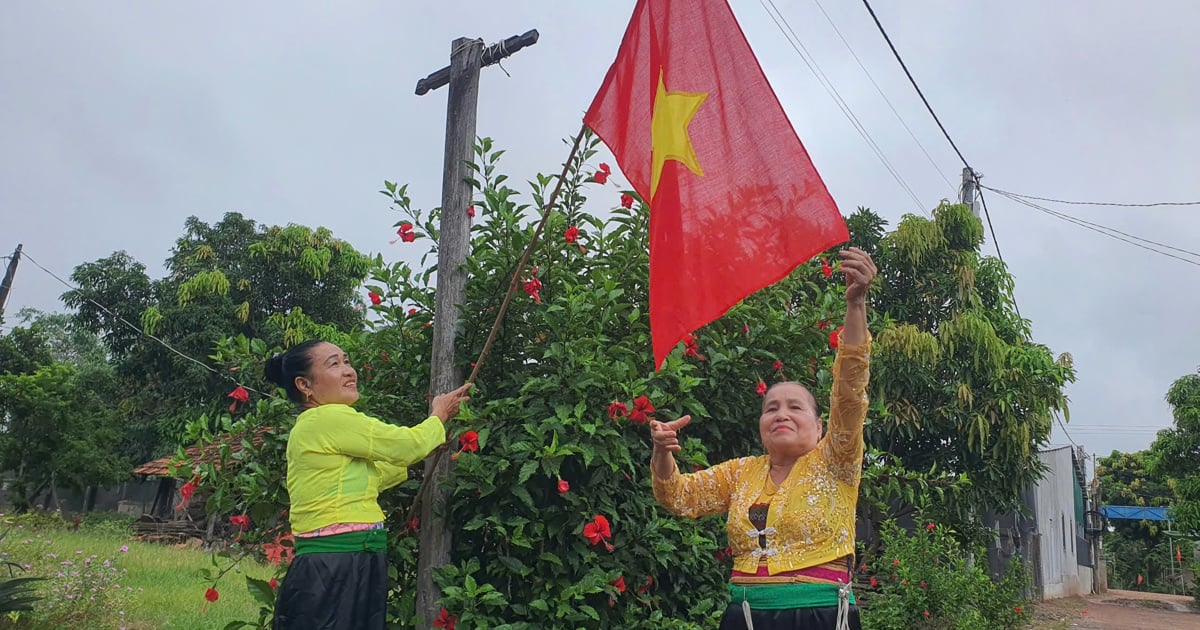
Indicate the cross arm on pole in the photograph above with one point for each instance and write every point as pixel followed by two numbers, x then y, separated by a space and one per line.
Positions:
pixel 491 55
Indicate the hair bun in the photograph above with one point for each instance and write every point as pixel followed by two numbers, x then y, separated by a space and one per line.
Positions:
pixel 273 370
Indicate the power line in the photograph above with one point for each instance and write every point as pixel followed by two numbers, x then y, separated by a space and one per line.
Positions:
pixel 1103 227
pixel 1063 426
pixel 140 330
pixel 1099 203
pixel 995 242
pixel 974 175
pixel 885 98
pixel 929 107
pixel 1109 232
pixel 794 40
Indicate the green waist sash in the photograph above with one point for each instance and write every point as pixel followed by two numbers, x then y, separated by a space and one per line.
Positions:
pixel 373 540
pixel 785 596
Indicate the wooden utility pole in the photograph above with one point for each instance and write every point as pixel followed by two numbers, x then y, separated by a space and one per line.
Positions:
pixel 968 190
pixel 467 56
pixel 9 273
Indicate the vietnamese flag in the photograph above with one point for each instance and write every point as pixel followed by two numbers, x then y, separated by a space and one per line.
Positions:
pixel 735 202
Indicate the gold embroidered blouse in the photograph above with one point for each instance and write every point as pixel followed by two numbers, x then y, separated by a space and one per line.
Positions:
pixel 811 518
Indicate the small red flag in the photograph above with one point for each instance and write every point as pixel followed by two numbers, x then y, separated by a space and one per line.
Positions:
pixel 735 202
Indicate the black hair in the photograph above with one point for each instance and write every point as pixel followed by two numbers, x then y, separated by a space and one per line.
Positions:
pixel 282 369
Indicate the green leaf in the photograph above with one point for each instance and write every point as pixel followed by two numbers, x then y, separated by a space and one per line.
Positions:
pixel 261 591
pixel 527 470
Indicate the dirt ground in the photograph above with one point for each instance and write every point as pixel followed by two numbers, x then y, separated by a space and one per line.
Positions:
pixel 1118 610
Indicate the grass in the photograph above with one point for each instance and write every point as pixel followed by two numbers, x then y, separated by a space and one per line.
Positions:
pixel 161 587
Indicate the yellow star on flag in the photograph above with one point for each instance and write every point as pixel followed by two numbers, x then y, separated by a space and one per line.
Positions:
pixel 673 112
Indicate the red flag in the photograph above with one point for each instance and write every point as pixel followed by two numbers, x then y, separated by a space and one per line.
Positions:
pixel 735 202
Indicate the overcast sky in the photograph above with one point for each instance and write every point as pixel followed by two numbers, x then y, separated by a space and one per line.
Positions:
pixel 119 120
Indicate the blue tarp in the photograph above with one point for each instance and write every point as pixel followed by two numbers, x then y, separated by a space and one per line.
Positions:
pixel 1136 513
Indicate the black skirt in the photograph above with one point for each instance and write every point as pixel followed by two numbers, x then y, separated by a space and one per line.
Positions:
pixel 334 591
pixel 824 618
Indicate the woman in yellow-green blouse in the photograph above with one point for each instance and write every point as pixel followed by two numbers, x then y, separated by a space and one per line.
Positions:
pixel 790 512
pixel 338 461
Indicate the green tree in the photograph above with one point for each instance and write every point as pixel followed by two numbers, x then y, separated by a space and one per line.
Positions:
pixel 58 432
pixel 229 278
pixel 1176 452
pixel 959 384
pixel 24 349
pixel 60 426
pixel 1135 548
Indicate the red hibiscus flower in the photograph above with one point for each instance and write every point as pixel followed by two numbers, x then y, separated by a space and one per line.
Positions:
pixel 597 531
pixel 186 492
pixel 414 524
pixel 241 521
pixel 1017 610
pixel 572 234
pixel 563 486
pixel 376 299
pixel 761 388
pixel 642 408
pixel 468 442
pixel 274 584
pixel 239 395
pixel 445 620
pixel 822 325
pixel 874 582
pixel 619 584
pixel 923 584
pixel 533 287
pixel 896 562
pixel 825 268
pixel 930 526
pixel 777 365
pixel 406 233
pixel 692 348
pixel 212 595
pixel 471 211
pixel 833 337
pixel 626 201
pixel 649 583
pixel 277 552
pixel 617 409
pixel 746 329
pixel 412 311
pixel 601 176
pixel 926 613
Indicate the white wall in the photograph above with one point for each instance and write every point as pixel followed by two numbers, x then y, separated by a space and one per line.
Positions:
pixel 1054 498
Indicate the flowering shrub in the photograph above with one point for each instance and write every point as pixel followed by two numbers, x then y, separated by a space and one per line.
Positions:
pixel 924 580
pixel 553 520
pixel 85 587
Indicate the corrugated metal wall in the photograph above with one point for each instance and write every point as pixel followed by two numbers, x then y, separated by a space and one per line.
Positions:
pixel 1054 506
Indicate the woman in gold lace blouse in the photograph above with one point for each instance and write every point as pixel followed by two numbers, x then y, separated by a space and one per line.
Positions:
pixel 790 512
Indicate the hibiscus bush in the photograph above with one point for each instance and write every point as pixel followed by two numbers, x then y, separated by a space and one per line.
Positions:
pixel 553 518
pixel 925 580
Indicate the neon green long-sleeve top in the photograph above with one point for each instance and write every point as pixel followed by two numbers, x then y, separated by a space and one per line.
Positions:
pixel 339 460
